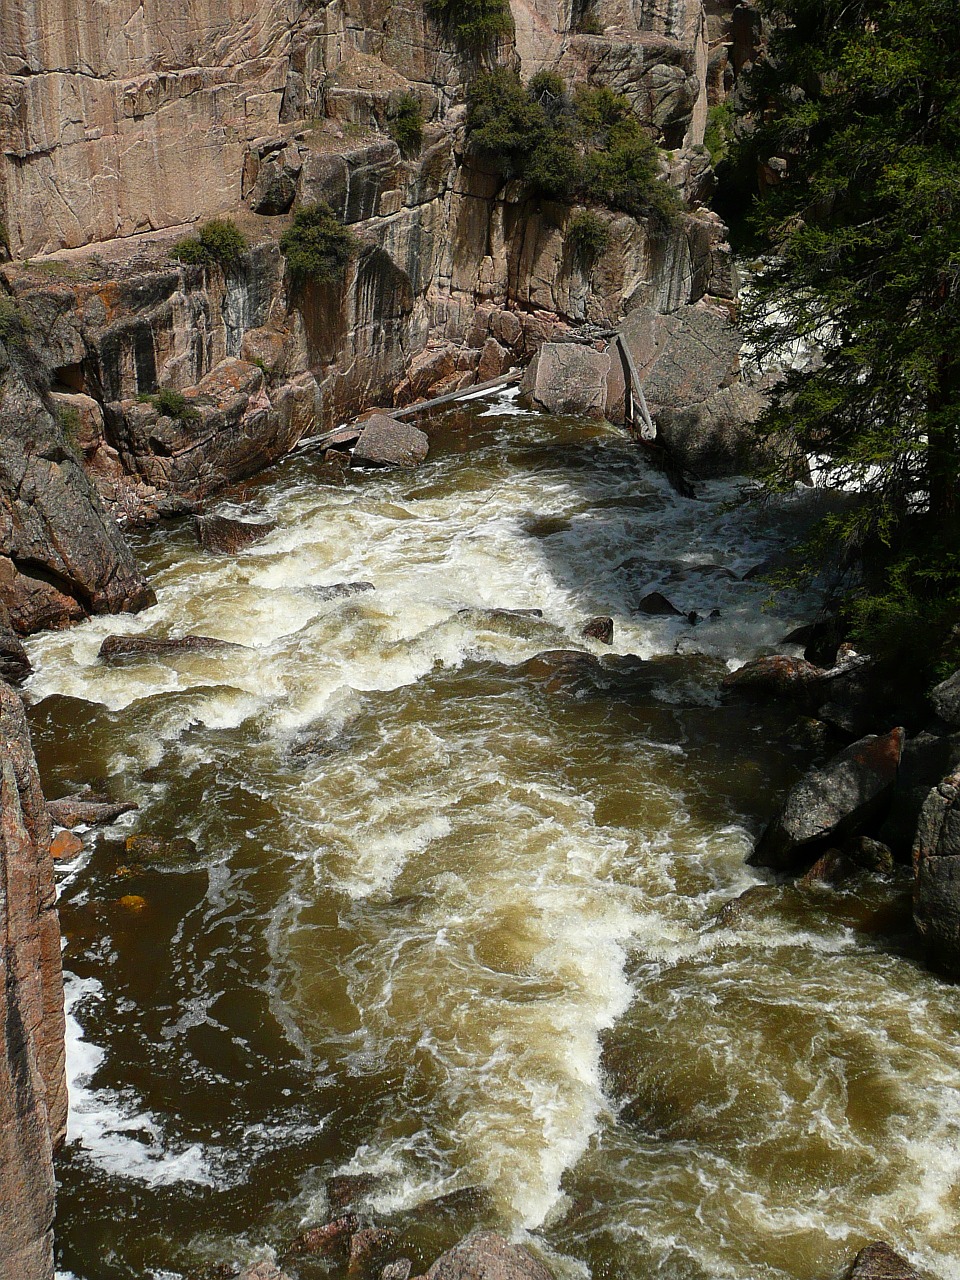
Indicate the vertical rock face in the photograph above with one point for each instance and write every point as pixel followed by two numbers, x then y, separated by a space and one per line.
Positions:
pixel 61 555
pixel 33 1095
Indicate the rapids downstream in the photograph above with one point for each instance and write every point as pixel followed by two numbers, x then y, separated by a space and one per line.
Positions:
pixel 453 920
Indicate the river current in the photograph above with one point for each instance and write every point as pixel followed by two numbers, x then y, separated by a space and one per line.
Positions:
pixel 453 920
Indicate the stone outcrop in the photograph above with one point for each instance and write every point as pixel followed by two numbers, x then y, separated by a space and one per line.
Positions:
pixel 33 1096
pixel 487 1256
pixel 936 859
pixel 566 377
pixel 61 555
pixel 832 802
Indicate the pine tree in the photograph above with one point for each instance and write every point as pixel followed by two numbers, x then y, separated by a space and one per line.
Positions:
pixel 861 99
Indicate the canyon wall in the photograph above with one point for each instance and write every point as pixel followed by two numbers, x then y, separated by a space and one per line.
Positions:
pixel 33 1096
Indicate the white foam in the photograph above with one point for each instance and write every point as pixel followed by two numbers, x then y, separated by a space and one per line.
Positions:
pixel 118 1139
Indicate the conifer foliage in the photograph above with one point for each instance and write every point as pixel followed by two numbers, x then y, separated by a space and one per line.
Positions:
pixel 861 99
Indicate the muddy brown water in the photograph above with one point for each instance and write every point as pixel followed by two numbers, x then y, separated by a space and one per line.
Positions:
pixel 449 923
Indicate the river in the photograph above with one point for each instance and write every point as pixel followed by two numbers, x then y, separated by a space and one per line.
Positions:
pixel 451 918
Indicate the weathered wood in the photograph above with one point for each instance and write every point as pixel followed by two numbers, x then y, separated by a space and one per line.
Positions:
pixel 634 388
pixel 504 380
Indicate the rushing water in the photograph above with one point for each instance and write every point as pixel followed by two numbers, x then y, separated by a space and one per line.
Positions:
pixel 451 921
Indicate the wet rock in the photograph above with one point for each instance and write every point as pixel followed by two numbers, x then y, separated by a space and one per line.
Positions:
pixel 835 800
pixel 262 1271
pixel 338 590
pixel 223 535
pixel 33 1096
pixel 368 1247
pixel 879 1262
pixel 752 902
pixel 72 811
pixel 656 605
pixel 65 845
pixel 945 698
pixel 345 1189
pixel 399 1269
pixel 385 442
pixel 599 628
pixel 14 663
pixel 717 436
pixel 488 1256
pixel 341 439
pixel 936 860
pixel 160 852
pixel 926 760
pixel 565 377
pixel 775 676
pixel 120 648
pixel 330 1239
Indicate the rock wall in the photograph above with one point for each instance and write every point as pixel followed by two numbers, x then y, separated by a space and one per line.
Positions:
pixel 33 1095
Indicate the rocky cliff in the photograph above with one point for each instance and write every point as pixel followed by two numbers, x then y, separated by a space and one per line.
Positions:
pixel 33 1096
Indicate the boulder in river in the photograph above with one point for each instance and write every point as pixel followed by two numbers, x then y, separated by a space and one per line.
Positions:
pixel 338 590
pixel 385 442
pixel 119 648
pixel 329 1239
pixel 161 852
pixel 946 700
pixel 568 378
pixel 488 1256
pixel 878 1261
pixel 831 802
pixel 262 1271
pixel 936 860
pixel 599 628
pixel 775 676
pixel 224 535
pixel 89 810
pixel 369 1248
pixel 658 606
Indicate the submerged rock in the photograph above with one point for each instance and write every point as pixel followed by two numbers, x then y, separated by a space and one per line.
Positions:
pixel 385 442
pixel 835 800
pixel 223 535
pixel 878 1261
pixel 369 1247
pixel 488 1256
pixel 337 590
pixel 119 648
pixel 658 606
pixel 160 852
pixel 262 1271
pixel 331 1238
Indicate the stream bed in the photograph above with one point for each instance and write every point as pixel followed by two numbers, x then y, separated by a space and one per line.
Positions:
pixel 451 928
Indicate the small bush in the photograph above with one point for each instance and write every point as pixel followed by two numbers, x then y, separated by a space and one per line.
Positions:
pixel 318 246
pixel 474 24
pixel 171 404
pixel 625 174
pixel 68 417
pixel 719 131
pixel 504 121
pixel 219 241
pixel 15 327
pixel 405 125
pixel 589 235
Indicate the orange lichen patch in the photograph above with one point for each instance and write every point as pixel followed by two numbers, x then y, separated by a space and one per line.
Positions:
pixel 65 845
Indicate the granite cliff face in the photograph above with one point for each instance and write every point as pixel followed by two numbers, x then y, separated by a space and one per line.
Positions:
pixel 118 130
pixel 33 1095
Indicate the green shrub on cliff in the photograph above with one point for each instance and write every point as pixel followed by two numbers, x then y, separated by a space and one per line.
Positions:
pixel 405 125
pixel 318 246
pixel 592 146
pixel 473 24
pixel 219 241
pixel 172 404
pixel 589 235
pixel 15 326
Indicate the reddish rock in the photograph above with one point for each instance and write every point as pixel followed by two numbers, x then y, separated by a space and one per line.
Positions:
pixel 368 1248
pixel 399 1269
pixel 345 1189
pixel 222 535
pixel 879 1262
pixel 65 845
pixel 385 442
pixel 333 1237
pixel 33 1093
pixel 600 628
pixel 118 648
pixel 833 801
pixel 262 1271
pixel 77 810
pixel 775 676
pixel 488 1256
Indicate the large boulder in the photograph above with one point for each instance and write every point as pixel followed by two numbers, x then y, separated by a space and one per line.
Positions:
pixel 936 860
pixel 62 555
pixel 832 802
pixel 878 1261
pixel 717 435
pixel 945 698
pixel 487 1256
pixel 566 377
pixel 33 1092
pixel 385 442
